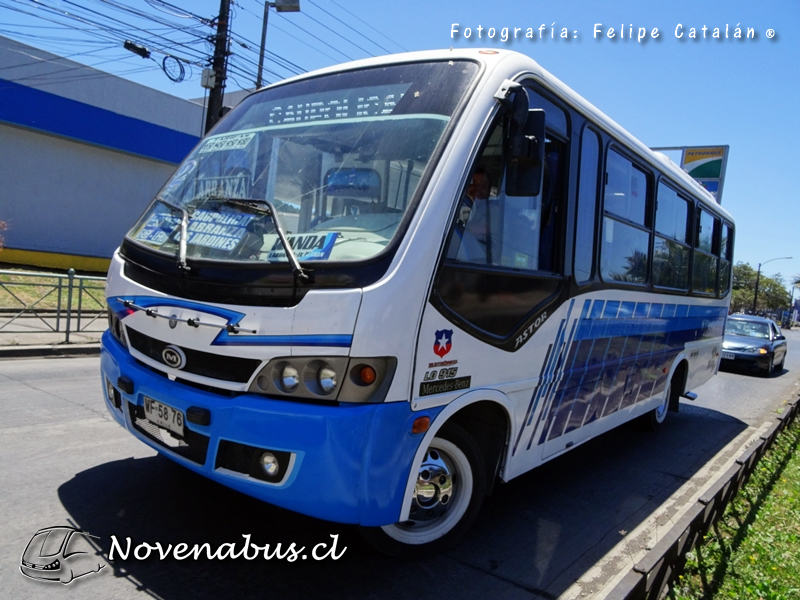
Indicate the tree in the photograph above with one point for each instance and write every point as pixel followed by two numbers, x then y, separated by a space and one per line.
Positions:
pixel 744 277
pixel 2 228
pixel 772 294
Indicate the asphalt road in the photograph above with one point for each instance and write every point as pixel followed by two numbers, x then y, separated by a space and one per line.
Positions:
pixel 563 531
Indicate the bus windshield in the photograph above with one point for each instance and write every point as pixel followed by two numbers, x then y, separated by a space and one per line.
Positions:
pixel 340 158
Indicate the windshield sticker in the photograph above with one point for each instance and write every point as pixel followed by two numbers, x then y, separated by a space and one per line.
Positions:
pixel 227 142
pixel 158 228
pixel 217 230
pixel 222 187
pixel 206 228
pixel 313 246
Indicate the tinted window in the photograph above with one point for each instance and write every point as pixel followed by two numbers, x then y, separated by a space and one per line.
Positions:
pixel 624 255
pixel 670 264
pixel 507 231
pixel 587 206
pixel 672 213
pixel 625 245
pixel 704 273
pixel 626 189
pixel 705 231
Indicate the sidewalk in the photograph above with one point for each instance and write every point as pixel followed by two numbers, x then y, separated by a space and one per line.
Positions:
pixel 48 343
pixel 44 313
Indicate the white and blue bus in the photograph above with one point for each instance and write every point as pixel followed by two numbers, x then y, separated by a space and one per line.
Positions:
pixel 375 290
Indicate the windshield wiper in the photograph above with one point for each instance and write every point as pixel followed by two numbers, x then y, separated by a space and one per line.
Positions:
pixel 252 205
pixel 184 233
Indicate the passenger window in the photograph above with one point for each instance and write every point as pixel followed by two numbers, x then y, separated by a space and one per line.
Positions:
pixel 706 261
pixel 726 258
pixel 508 231
pixel 671 252
pixel 626 189
pixel 626 242
pixel 705 232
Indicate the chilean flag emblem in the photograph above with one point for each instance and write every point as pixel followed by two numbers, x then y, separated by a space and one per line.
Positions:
pixel 443 343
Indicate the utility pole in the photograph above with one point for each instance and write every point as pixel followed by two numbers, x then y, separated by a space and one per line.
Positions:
pixel 219 65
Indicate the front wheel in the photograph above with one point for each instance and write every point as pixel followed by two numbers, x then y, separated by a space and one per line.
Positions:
pixel 448 494
pixel 767 371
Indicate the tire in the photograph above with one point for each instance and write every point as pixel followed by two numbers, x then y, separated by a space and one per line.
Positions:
pixel 656 417
pixel 779 367
pixel 450 488
pixel 766 372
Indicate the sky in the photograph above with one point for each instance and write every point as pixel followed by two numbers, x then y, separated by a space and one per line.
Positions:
pixel 667 90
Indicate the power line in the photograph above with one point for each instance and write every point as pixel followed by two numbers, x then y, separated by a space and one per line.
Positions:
pixel 368 25
pixel 333 16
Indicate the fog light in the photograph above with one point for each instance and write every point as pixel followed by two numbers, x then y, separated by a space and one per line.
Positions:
pixel 269 464
pixel 290 379
pixel 113 394
pixel 326 377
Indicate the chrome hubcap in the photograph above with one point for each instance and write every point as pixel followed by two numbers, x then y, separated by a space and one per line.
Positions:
pixel 434 489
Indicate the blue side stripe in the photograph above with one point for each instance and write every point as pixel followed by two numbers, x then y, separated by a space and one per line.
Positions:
pixel 28 107
pixel 623 344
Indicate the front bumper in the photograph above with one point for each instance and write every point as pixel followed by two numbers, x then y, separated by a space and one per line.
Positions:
pixel 745 360
pixel 348 463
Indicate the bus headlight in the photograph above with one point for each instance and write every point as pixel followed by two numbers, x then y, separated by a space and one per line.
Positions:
pixel 326 378
pixel 289 379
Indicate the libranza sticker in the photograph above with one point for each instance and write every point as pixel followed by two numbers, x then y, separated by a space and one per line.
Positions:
pixel 217 230
pixel 206 228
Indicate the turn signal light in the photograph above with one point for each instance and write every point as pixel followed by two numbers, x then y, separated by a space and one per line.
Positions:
pixel 367 375
pixel 421 425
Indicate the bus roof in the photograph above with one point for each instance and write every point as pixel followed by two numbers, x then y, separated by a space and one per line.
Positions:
pixel 513 65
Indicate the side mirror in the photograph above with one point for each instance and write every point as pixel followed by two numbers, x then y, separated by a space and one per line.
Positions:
pixel 524 148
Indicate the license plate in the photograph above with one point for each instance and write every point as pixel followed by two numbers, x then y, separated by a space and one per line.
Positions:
pixel 728 356
pixel 163 415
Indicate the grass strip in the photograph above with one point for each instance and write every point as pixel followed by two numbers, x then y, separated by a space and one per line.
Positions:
pixel 22 292
pixel 753 551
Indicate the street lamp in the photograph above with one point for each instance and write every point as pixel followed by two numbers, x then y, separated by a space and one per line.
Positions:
pixel 758 277
pixel 280 6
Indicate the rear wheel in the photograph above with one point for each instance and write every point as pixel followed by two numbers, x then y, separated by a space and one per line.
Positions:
pixel 448 494
pixel 656 417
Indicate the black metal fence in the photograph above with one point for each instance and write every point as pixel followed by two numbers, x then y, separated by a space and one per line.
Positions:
pixel 650 578
pixel 32 304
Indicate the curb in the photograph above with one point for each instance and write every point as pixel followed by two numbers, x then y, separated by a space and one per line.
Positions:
pixel 651 577
pixel 49 351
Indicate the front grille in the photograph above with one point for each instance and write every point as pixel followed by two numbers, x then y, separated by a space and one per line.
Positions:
pixel 193 446
pixel 244 459
pixel 206 364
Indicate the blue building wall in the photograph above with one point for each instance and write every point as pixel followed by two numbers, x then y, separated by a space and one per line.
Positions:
pixel 82 153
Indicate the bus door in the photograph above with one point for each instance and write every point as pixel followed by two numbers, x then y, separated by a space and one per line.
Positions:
pixel 500 276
